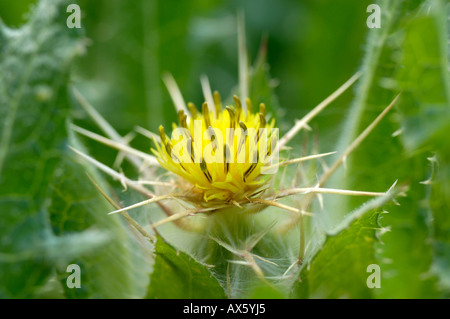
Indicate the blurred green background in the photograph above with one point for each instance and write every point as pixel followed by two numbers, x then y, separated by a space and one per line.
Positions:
pixel 313 47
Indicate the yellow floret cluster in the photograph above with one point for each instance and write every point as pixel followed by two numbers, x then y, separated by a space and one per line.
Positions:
pixel 222 155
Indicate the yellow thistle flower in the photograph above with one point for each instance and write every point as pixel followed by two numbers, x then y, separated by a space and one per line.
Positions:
pixel 222 155
pixel 219 158
pixel 231 176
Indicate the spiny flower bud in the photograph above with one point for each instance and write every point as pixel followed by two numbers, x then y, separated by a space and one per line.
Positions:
pixel 220 156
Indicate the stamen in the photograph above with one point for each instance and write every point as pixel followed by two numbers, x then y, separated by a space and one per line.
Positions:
pixel 243 126
pixel 272 144
pixel 213 141
pixel 261 125
pixel 217 102
pixel 249 170
pixel 226 157
pixel 237 101
pixel 182 119
pixel 244 137
pixel 262 120
pixel 191 149
pixel 193 110
pixel 252 166
pixel 165 140
pixel 262 108
pixel 232 116
pixel 205 111
pixel 205 171
pixel 249 104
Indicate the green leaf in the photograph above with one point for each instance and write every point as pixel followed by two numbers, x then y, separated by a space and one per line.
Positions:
pixel 34 66
pixel 263 290
pixel 53 216
pixel 78 208
pixel 425 120
pixel 405 55
pixel 423 80
pixel 176 275
pixel 338 267
pixel 440 206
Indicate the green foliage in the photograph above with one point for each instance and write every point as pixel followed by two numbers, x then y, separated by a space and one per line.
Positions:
pixel 34 68
pixel 177 275
pixel 407 55
pixel 347 249
pixel 78 207
pixel 425 118
pixel 52 215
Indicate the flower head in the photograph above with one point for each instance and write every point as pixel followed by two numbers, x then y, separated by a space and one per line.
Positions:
pixel 221 160
pixel 222 155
